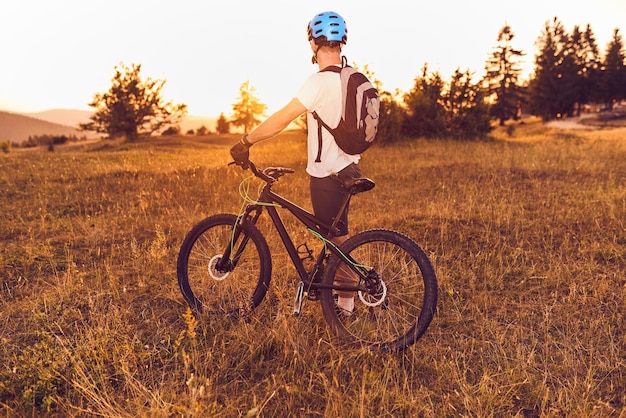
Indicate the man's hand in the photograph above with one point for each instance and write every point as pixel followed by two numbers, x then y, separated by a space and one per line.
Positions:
pixel 241 154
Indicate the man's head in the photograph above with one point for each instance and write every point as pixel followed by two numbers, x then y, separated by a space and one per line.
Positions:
pixel 328 29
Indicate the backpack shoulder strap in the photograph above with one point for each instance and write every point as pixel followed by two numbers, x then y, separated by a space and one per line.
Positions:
pixel 320 123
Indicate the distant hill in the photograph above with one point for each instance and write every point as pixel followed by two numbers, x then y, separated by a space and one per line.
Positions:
pixel 67 117
pixel 21 129
pixel 17 128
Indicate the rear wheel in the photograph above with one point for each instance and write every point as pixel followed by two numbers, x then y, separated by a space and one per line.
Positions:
pixel 214 286
pixel 401 298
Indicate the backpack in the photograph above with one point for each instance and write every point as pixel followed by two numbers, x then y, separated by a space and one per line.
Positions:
pixel 359 113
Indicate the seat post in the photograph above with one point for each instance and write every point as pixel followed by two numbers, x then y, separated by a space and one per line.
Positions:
pixel 341 211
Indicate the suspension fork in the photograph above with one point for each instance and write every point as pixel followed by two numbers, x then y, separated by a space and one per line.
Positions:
pixel 228 261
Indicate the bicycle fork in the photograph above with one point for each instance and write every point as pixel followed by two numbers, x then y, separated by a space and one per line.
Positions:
pixel 229 261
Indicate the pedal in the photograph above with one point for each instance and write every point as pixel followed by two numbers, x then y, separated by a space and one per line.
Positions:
pixel 297 303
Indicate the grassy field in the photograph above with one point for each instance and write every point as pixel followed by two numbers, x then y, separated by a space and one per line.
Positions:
pixel 527 235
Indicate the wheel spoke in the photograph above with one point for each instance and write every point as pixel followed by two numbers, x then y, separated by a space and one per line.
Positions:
pixel 410 287
pixel 225 293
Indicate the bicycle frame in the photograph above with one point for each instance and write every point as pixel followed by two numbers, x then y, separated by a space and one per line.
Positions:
pixel 271 201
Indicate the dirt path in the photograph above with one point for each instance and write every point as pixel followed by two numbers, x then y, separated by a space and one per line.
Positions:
pixel 571 123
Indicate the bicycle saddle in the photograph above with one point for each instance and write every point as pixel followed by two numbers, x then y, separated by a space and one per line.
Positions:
pixel 355 186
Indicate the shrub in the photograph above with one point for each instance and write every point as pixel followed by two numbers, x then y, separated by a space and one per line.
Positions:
pixel 172 130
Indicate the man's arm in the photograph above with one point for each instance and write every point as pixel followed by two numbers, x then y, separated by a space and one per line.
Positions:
pixel 276 122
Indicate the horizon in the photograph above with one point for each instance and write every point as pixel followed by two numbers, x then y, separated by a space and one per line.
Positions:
pixel 204 60
pixel 17 127
pixel 29 114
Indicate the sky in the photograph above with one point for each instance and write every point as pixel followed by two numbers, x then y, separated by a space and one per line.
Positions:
pixel 58 53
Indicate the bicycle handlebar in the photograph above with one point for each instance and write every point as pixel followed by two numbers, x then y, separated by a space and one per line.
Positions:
pixel 269 174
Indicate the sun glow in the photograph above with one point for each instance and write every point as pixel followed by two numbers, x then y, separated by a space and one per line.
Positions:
pixel 64 54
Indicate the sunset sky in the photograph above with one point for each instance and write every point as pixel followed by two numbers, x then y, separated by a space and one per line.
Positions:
pixel 58 53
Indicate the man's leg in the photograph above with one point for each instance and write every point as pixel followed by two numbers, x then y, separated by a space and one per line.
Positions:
pixel 345 277
pixel 328 196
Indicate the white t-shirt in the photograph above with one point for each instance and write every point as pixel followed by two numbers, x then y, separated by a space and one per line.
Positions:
pixel 321 93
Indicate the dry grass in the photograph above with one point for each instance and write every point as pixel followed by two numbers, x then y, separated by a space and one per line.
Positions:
pixel 527 235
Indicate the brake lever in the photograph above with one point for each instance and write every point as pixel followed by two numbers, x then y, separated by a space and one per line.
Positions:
pixel 243 165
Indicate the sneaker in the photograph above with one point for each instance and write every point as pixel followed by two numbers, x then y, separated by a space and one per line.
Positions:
pixel 346 304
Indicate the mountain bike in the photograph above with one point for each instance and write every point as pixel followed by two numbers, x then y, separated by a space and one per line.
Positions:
pixel 224 268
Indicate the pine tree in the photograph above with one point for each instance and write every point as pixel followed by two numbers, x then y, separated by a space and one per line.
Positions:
pixel 248 110
pixel 568 73
pixel 502 77
pixel 425 114
pixel 222 125
pixel 435 109
pixel 587 59
pixel 614 72
pixel 466 111
pixel 550 88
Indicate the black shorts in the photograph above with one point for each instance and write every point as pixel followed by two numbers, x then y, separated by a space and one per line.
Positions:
pixel 328 195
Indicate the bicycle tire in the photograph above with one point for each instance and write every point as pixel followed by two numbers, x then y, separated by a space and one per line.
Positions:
pixel 210 292
pixel 405 307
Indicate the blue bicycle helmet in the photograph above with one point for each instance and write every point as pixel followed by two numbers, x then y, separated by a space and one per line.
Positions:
pixel 328 27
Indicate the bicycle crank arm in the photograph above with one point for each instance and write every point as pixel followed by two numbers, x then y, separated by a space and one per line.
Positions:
pixel 341 288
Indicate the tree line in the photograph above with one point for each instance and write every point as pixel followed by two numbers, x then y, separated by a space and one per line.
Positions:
pixel 570 73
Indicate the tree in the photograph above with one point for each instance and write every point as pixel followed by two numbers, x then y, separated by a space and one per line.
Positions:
pixel 467 113
pixel 370 76
pixel 132 107
pixel 222 126
pixel 502 77
pixel 548 88
pixel 614 71
pixel 435 109
pixel 392 116
pixel 587 61
pixel 425 113
pixel 247 111
pixel 202 130
pixel 171 130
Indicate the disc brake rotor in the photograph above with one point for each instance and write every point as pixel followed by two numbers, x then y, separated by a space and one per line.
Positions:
pixel 374 299
pixel 216 275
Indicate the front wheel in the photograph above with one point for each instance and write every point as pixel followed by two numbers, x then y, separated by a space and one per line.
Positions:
pixel 231 286
pixel 401 295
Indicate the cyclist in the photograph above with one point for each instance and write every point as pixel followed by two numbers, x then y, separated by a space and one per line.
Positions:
pixel 321 93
